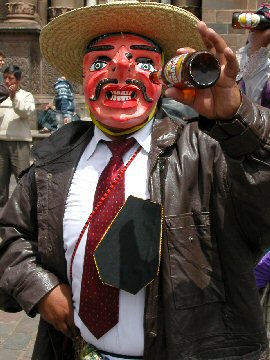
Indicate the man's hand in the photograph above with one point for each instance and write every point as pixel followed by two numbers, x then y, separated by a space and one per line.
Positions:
pixel 48 106
pixel 222 100
pixel 57 309
pixel 12 91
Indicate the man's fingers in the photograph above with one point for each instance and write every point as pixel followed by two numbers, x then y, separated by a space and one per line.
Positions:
pixel 57 309
pixel 232 67
pixel 203 32
pixel 64 322
pixel 223 52
pixel 64 328
pixel 185 50
pixel 74 330
pixel 70 321
pixel 211 39
pixel 208 44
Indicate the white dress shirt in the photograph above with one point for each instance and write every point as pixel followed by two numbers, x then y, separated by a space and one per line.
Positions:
pixel 254 69
pixel 127 337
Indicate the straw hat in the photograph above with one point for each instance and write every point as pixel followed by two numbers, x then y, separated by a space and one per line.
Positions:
pixel 64 40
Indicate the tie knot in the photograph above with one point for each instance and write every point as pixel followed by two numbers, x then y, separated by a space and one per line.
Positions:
pixel 120 146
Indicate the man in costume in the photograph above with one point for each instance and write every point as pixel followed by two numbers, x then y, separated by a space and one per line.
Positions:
pixel 135 234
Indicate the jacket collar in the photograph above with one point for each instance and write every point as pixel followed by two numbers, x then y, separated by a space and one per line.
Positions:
pixel 62 141
pixel 167 127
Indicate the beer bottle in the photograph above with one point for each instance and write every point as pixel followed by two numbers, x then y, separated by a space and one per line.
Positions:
pixel 249 20
pixel 200 69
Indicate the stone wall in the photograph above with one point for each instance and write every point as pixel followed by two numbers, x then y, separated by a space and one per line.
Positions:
pixel 218 15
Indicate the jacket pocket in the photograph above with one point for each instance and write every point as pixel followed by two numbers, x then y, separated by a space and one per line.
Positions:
pixel 239 352
pixel 194 261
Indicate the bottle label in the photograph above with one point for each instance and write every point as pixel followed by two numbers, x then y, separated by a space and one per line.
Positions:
pixel 248 20
pixel 173 69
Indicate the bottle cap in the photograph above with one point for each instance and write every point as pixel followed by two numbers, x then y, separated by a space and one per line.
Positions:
pixel 204 69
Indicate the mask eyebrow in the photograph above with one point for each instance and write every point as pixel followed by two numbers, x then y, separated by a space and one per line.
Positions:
pixel 103 58
pixel 99 48
pixel 145 47
pixel 144 60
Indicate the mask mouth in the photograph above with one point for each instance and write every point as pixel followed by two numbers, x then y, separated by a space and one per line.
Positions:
pixel 121 95
pixel 126 97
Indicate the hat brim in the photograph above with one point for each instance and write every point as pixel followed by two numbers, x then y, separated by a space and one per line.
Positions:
pixel 64 40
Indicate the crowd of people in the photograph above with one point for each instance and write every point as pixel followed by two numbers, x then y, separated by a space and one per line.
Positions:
pixel 135 235
pixel 17 109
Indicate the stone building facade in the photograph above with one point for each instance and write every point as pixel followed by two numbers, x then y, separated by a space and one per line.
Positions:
pixel 22 20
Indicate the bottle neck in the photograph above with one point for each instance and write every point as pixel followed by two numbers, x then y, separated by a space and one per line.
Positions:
pixel 200 69
pixel 157 78
pixel 248 20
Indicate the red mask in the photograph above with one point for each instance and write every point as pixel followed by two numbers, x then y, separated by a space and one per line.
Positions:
pixel 116 80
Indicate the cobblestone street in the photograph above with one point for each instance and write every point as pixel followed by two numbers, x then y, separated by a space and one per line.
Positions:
pixel 17 336
pixel 17 330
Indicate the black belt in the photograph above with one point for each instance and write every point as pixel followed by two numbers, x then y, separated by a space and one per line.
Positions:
pixel 129 357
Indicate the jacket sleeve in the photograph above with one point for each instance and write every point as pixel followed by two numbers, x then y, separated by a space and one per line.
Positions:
pixel 23 280
pixel 4 93
pixel 245 141
pixel 24 106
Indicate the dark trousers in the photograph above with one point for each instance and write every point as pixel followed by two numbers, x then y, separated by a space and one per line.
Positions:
pixel 14 158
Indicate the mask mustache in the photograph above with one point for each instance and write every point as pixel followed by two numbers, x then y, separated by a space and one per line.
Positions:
pixel 140 85
pixel 100 85
pixel 104 82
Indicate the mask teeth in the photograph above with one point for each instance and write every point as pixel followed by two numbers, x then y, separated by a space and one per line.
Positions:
pixel 119 95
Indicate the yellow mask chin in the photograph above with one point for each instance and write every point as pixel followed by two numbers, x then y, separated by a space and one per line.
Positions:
pixel 125 132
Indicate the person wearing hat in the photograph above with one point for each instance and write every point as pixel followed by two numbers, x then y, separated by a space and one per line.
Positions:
pixel 134 235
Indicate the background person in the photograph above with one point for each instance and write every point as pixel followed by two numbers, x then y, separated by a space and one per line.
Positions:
pixel 62 110
pixel 4 93
pixel 64 102
pixel 48 119
pixel 15 134
pixel 254 64
pixel 2 63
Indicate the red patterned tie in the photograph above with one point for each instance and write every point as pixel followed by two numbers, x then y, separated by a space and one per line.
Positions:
pixel 99 303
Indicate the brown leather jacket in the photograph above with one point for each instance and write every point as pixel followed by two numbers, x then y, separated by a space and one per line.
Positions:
pixel 213 180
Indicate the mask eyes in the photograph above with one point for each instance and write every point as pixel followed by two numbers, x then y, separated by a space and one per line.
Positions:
pixel 146 67
pixel 98 65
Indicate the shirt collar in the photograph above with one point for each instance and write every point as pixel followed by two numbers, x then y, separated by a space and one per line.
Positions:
pixel 142 136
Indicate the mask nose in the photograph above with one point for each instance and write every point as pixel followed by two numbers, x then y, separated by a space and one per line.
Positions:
pixel 121 64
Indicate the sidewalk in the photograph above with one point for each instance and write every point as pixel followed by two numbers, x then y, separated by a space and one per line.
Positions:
pixel 17 335
pixel 17 330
